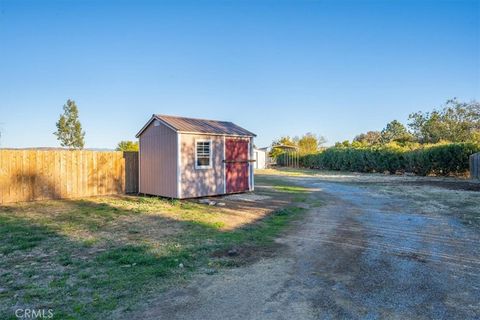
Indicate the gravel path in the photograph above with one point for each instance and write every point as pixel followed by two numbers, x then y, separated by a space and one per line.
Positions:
pixel 363 255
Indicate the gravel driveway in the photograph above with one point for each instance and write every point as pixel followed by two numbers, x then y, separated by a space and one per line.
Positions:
pixel 369 252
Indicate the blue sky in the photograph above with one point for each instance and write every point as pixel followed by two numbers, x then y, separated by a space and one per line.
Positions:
pixel 335 68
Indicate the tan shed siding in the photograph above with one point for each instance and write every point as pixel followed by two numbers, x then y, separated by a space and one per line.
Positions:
pixel 158 161
pixel 201 182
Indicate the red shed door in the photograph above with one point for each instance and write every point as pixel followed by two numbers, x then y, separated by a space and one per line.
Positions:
pixel 236 165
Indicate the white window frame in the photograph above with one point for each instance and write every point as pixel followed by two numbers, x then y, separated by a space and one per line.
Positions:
pixel 210 154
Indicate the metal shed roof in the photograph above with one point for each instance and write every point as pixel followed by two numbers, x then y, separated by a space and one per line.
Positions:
pixel 201 126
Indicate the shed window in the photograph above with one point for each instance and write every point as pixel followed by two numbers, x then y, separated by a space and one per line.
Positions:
pixel 203 154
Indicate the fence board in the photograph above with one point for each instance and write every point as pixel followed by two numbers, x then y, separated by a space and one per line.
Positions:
pixel 27 175
pixel 475 166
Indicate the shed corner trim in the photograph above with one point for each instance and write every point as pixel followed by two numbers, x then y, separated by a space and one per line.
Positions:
pixel 179 165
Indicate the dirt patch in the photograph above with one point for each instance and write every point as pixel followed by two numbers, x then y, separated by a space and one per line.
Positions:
pixel 245 255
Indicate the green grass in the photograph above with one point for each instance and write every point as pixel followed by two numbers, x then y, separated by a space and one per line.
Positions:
pixel 291 189
pixel 279 184
pixel 88 258
pixel 16 237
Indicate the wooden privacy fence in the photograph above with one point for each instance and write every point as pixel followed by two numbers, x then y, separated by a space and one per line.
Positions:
pixel 27 175
pixel 475 166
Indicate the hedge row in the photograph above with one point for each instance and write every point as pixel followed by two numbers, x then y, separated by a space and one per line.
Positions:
pixel 447 159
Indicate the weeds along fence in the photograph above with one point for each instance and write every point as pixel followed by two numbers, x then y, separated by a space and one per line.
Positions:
pixel 475 166
pixel 27 175
pixel 447 159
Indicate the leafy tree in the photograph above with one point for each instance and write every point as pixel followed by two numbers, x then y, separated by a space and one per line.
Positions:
pixel 127 146
pixel 456 122
pixel 310 143
pixel 369 138
pixel 395 131
pixel 69 130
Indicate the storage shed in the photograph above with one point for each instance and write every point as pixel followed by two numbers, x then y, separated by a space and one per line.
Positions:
pixel 188 158
pixel 261 157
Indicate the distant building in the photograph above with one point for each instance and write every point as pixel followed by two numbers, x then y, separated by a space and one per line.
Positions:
pixel 261 157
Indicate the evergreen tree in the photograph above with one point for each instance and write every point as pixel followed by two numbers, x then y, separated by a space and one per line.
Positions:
pixel 69 129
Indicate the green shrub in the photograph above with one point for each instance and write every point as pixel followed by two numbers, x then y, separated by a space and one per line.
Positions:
pixel 440 159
